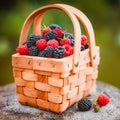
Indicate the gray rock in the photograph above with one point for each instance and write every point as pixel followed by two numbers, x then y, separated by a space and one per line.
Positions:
pixel 10 109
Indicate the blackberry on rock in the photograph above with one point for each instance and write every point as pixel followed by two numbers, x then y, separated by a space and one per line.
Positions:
pixel 59 52
pixel 33 51
pixel 47 52
pixel 50 35
pixel 84 104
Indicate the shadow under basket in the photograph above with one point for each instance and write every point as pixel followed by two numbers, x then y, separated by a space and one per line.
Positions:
pixel 56 84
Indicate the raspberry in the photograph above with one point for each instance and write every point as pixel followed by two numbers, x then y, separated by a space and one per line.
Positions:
pixel 71 37
pixel 47 52
pixel 59 32
pixel 53 43
pixel 33 51
pixel 50 35
pixel 65 41
pixel 23 50
pixel 59 52
pixel 53 26
pixel 41 44
pixel 32 39
pixel 84 104
pixel 103 99
pixel 68 50
pixel 83 40
pixel 45 30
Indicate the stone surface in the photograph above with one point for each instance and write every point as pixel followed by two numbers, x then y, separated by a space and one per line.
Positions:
pixel 10 108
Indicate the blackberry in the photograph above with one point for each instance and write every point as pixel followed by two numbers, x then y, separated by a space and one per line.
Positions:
pixel 47 52
pixel 82 47
pixel 86 45
pixel 33 51
pixel 59 52
pixel 72 42
pixel 84 104
pixel 32 39
pixel 38 37
pixel 53 26
pixel 50 35
pixel 71 37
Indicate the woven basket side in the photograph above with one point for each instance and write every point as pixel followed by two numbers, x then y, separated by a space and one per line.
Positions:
pixel 47 89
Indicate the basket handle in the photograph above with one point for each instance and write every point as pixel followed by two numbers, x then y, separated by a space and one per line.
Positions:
pixel 85 22
pixel 40 12
pixel 88 28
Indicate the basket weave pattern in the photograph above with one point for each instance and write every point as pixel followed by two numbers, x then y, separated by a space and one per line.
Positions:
pixel 51 84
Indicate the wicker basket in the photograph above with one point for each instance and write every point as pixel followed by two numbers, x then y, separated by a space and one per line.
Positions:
pixel 56 84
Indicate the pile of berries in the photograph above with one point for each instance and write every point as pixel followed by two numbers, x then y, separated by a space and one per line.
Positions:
pixel 86 104
pixel 52 43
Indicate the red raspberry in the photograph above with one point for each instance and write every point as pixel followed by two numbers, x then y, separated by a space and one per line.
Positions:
pixel 41 44
pixel 59 32
pixel 65 41
pixel 68 50
pixel 23 50
pixel 103 99
pixel 44 31
pixel 83 40
pixel 53 43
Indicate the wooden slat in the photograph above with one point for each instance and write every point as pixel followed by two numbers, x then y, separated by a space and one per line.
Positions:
pixel 22 61
pixel 43 104
pixel 30 92
pixel 55 82
pixel 29 76
pixel 55 98
pixel 42 86
pixel 54 65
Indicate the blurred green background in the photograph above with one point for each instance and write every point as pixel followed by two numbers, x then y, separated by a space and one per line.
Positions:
pixel 103 14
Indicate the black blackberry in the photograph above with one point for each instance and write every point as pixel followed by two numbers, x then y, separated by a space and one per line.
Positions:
pixel 82 47
pixel 33 51
pixel 86 45
pixel 59 52
pixel 84 104
pixel 72 42
pixel 32 39
pixel 71 37
pixel 38 37
pixel 50 35
pixel 47 52
pixel 53 26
